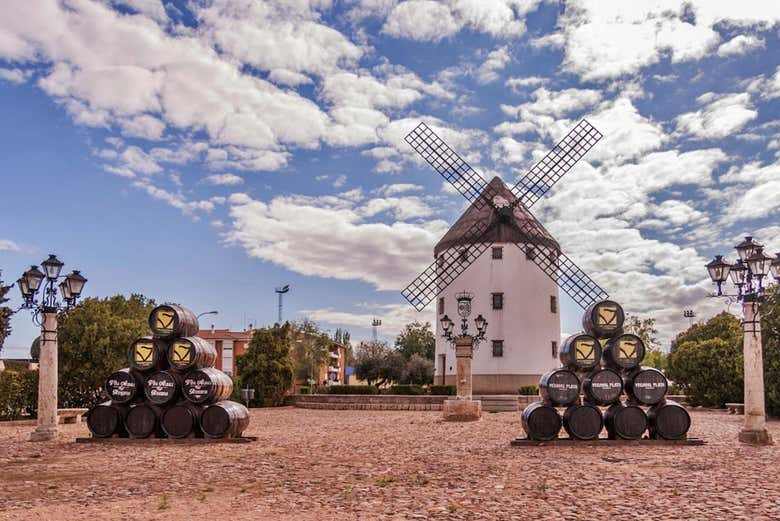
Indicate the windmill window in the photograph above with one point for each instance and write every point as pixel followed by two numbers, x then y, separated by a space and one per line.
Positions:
pixel 498 348
pixel 498 252
pixel 553 304
pixel 441 305
pixel 498 300
pixel 554 346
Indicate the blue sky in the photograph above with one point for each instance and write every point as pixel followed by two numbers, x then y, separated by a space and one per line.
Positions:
pixel 206 152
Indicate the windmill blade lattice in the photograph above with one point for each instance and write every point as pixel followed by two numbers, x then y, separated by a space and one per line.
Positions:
pixel 446 268
pixel 448 163
pixel 556 163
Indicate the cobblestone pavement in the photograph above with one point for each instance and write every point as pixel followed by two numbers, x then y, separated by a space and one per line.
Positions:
pixel 365 465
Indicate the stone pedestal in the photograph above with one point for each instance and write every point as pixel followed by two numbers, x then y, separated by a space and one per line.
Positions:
pixel 463 408
pixel 754 430
pixel 47 381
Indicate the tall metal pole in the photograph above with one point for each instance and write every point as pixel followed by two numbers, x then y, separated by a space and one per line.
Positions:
pixel 280 307
pixel 375 324
pixel 281 291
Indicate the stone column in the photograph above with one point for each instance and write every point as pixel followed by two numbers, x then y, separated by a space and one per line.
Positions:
pixel 47 381
pixel 464 352
pixel 754 431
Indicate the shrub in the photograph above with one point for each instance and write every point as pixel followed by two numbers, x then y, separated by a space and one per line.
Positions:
pixel 442 390
pixel 353 389
pixel 305 389
pixel 406 389
pixel 528 390
pixel 708 371
pixel 18 394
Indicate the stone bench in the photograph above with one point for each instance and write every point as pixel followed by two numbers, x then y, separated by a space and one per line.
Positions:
pixel 70 415
pixel 736 408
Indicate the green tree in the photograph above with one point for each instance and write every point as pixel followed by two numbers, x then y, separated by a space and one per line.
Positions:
pixel 5 313
pixel 377 364
pixel 416 338
pixel 343 337
pixel 417 371
pixel 645 329
pixel 266 366
pixel 770 336
pixel 311 348
pixel 706 361
pixel 94 339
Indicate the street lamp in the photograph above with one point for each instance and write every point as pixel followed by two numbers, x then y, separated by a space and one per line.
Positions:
pixel 70 287
pixel 748 275
pixel 208 313
pixel 464 310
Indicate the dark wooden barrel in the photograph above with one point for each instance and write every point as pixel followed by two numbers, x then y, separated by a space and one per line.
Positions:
pixel 191 352
pixel 105 420
pixel 224 419
pixel 181 420
pixel 207 386
pixel 541 421
pixel 162 387
pixel 668 420
pixel 603 319
pixel 583 422
pixel 143 421
pixel 625 421
pixel 560 387
pixel 172 320
pixel 125 386
pixel 148 354
pixel 646 385
pixel 624 351
pixel 603 386
pixel 580 352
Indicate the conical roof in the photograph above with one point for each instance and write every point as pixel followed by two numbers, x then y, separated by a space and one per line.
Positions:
pixel 501 231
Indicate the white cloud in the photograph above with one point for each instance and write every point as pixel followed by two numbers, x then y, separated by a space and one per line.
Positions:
pixel 175 200
pixel 768 88
pixel 398 188
pixel 421 20
pixel 16 76
pixel 518 84
pixel 720 116
pixel 152 8
pixel 345 244
pixel 741 44
pixel 224 179
pixel 143 126
pixel 394 316
pixel 9 245
pixel 753 191
pixel 339 181
pixel 495 62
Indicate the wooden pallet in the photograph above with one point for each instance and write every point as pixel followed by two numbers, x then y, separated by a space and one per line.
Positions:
pixel 569 442
pixel 242 439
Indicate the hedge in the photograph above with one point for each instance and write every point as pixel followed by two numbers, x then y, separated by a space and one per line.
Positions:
pixel 442 390
pixel 352 389
pixel 528 390
pixel 406 389
pixel 18 394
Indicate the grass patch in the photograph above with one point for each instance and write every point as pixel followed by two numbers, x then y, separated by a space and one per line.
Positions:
pixel 164 505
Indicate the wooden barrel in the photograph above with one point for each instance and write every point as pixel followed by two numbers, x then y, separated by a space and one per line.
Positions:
pixel 224 419
pixel 191 352
pixel 560 387
pixel 105 420
pixel 143 421
pixel 603 319
pixel 181 420
pixel 580 352
pixel 541 421
pixel 624 351
pixel 172 320
pixel 625 421
pixel 125 386
pixel 207 386
pixel 603 386
pixel 162 387
pixel 148 354
pixel 669 421
pixel 583 422
pixel 646 385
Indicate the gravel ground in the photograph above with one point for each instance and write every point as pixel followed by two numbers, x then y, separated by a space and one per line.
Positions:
pixel 365 465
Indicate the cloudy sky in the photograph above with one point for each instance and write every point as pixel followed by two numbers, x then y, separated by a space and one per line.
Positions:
pixel 207 151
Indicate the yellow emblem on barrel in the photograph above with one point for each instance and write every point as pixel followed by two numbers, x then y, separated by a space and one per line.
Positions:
pixel 583 351
pixel 181 353
pixel 143 353
pixel 163 320
pixel 607 315
pixel 627 349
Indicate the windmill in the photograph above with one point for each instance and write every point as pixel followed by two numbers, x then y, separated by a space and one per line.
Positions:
pixel 506 208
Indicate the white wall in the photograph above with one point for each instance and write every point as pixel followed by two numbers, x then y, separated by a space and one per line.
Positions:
pixel 526 324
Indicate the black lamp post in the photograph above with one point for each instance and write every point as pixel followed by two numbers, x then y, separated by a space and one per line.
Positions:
pixel 750 275
pixel 70 286
pixel 464 310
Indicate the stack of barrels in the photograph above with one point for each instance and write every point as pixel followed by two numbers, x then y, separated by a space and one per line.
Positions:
pixel 171 389
pixel 601 383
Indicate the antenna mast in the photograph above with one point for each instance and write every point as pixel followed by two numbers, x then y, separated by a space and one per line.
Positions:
pixel 375 324
pixel 281 291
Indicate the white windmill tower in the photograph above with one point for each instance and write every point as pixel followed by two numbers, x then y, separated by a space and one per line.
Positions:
pixel 500 252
